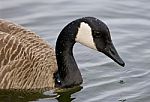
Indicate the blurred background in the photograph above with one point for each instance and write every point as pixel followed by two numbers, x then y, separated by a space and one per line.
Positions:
pixel 104 80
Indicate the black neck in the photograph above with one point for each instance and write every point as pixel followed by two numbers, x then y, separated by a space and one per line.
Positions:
pixel 68 72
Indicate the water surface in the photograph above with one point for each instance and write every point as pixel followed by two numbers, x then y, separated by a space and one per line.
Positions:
pixel 104 80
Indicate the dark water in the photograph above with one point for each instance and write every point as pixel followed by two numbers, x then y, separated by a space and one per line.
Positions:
pixel 104 81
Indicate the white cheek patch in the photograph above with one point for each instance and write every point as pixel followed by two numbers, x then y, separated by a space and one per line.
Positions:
pixel 84 36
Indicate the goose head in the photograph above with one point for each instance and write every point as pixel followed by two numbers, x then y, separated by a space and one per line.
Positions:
pixel 95 34
pixel 88 31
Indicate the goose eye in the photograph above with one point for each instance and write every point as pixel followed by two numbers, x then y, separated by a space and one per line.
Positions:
pixel 96 34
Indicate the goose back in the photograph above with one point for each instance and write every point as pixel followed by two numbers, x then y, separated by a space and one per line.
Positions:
pixel 26 60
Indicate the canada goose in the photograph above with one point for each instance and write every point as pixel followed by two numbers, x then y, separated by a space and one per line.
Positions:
pixel 28 62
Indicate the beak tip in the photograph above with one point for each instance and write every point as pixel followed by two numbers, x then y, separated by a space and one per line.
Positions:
pixel 122 64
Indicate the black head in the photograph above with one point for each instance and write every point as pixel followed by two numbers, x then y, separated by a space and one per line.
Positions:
pixel 95 34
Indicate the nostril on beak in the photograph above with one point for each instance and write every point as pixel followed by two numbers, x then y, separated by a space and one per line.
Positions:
pixel 113 52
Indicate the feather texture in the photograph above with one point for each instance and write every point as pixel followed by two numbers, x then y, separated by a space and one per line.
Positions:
pixel 26 60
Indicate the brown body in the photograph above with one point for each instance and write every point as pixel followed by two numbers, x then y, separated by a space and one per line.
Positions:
pixel 26 60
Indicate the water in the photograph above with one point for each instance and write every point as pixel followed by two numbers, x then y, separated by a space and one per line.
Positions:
pixel 104 81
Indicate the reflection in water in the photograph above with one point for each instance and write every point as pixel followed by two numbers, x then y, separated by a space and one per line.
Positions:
pixel 65 96
pixel 26 96
pixel 20 96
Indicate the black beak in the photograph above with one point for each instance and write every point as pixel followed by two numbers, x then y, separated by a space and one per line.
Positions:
pixel 111 52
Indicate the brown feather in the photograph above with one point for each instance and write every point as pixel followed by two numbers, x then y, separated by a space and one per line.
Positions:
pixel 26 60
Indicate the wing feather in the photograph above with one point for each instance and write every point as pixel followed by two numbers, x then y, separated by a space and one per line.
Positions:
pixel 26 60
